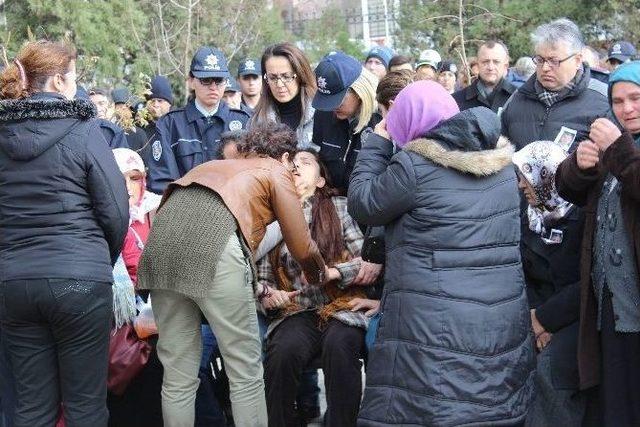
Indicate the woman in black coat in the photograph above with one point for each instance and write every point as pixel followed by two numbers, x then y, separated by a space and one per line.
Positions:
pixel 550 246
pixel 63 218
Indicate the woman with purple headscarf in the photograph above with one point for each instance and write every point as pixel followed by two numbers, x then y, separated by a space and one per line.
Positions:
pixel 454 345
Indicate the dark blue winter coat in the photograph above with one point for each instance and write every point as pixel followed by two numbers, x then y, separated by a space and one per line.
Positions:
pixel 185 138
pixel 454 345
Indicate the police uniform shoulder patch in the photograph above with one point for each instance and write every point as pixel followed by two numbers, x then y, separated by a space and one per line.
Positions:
pixel 156 150
pixel 235 125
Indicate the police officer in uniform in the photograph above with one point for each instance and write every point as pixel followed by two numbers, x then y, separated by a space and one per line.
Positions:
pixel 250 80
pixel 189 136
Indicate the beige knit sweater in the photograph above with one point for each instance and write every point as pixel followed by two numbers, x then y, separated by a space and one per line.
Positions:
pixel 190 232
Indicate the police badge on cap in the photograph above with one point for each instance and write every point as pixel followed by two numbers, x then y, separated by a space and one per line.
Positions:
pixel 209 62
pixel 249 67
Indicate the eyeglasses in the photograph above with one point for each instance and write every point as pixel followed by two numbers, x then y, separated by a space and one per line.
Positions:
pixel 553 63
pixel 285 78
pixel 217 81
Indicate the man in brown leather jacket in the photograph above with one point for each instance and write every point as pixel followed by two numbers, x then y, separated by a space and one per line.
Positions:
pixel 198 259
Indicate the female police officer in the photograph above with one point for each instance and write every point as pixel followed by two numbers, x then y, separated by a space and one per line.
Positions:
pixel 189 136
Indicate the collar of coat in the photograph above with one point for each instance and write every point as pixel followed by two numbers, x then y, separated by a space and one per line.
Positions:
pixel 478 163
pixel 45 106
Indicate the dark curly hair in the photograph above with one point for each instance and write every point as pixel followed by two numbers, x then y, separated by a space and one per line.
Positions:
pixel 268 139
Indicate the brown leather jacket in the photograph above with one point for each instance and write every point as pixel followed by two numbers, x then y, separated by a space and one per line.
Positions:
pixel 259 191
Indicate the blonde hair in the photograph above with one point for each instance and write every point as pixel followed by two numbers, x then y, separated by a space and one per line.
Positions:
pixel 365 87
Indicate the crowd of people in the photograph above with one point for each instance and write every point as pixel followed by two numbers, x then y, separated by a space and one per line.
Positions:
pixel 465 235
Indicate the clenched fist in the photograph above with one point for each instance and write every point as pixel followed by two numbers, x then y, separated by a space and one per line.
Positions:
pixel 587 154
pixel 604 133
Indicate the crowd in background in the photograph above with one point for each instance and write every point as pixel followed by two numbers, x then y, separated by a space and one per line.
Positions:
pixel 464 234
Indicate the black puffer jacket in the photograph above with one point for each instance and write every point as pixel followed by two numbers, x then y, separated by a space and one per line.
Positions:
pixel 454 345
pixel 64 208
pixel 526 119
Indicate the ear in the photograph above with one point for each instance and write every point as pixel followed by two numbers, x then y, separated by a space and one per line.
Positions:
pixel 578 59
pixel 284 159
pixel 58 83
pixel 321 182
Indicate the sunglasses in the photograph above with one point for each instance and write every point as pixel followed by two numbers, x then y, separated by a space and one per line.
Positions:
pixel 216 81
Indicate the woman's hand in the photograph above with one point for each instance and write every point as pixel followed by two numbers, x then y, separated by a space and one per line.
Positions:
pixel 330 274
pixel 543 340
pixel 587 155
pixel 542 336
pixel 371 306
pixel 367 274
pixel 604 133
pixel 278 299
pixel 381 129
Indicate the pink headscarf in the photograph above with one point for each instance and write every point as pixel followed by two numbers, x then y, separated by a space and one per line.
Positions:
pixel 129 160
pixel 417 109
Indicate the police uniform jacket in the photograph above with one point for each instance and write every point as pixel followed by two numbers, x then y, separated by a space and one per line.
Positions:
pixel 185 138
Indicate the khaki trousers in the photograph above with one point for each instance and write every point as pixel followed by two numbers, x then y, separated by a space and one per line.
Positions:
pixel 229 306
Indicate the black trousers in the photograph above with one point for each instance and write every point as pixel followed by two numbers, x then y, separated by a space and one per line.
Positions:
pixel 290 348
pixel 619 392
pixel 57 342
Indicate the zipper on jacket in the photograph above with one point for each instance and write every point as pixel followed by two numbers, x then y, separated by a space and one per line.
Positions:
pixel 344 159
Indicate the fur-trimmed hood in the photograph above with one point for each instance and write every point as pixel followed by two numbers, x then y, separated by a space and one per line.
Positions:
pixel 479 163
pixel 30 126
pixel 469 142
pixel 46 106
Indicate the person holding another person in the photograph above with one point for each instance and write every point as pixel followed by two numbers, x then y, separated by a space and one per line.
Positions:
pixel 193 265
pixel 454 344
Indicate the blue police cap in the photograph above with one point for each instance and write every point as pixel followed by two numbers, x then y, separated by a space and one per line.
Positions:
pixel 232 86
pixel 335 73
pixel 209 62
pixel 249 67
pixel 622 51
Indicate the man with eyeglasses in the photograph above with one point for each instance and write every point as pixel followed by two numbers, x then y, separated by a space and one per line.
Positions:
pixel 490 89
pixel 561 100
pixel 189 136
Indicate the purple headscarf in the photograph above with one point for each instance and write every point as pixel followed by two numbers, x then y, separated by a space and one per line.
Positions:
pixel 417 109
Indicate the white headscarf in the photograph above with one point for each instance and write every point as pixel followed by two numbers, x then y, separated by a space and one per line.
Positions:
pixel 538 163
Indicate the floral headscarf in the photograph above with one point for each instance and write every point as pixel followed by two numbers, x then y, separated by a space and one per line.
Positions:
pixel 538 163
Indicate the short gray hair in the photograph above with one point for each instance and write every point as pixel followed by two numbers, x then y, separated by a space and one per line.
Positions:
pixel 561 30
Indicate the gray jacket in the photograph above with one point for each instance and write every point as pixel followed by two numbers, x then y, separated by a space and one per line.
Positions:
pixel 304 132
pixel 454 345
